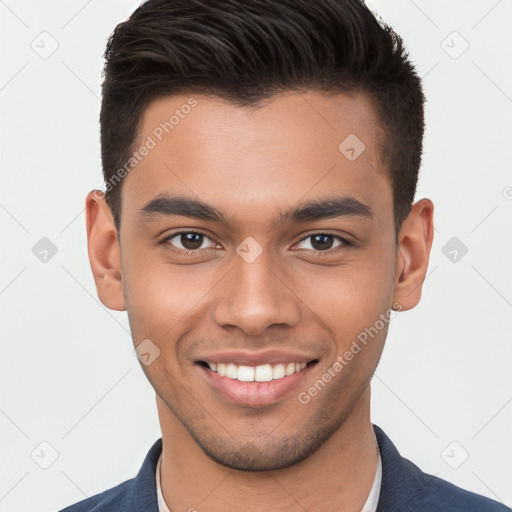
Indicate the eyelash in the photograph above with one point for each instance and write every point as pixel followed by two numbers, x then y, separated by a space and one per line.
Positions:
pixel 181 252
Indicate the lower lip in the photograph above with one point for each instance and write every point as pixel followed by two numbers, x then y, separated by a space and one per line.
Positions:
pixel 254 393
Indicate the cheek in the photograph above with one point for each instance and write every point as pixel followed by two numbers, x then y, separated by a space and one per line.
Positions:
pixel 351 296
pixel 162 300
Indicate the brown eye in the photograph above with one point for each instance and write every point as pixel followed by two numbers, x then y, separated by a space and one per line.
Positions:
pixel 187 241
pixel 322 242
pixel 191 241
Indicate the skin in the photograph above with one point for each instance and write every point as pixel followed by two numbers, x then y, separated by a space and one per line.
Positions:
pixel 252 164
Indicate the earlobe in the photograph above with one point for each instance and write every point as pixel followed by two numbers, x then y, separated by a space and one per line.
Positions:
pixel 414 245
pixel 104 251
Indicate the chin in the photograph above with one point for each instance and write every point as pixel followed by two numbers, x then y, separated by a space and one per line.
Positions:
pixel 272 451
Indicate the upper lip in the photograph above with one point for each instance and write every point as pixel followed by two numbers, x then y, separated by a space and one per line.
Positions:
pixel 256 358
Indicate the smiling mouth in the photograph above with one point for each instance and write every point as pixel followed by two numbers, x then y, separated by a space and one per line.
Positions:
pixel 261 373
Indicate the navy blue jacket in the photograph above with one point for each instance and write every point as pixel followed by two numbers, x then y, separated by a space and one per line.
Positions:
pixel 404 488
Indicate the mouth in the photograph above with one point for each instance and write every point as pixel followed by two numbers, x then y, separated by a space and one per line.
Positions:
pixel 254 385
pixel 261 373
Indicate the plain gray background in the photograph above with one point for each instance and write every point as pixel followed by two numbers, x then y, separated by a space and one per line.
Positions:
pixel 69 377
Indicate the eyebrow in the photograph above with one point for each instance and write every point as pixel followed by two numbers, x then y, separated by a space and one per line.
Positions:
pixel 326 208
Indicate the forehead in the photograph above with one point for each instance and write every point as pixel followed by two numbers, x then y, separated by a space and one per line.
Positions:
pixel 244 160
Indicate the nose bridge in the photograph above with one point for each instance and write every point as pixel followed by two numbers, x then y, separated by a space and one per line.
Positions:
pixel 255 296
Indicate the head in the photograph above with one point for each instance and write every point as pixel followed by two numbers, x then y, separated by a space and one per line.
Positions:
pixel 261 161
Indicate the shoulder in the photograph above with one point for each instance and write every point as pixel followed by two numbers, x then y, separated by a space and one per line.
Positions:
pixel 136 494
pixel 406 488
pixel 443 496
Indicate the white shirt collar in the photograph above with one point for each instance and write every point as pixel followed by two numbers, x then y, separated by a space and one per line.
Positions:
pixel 373 497
pixel 369 506
pixel 162 506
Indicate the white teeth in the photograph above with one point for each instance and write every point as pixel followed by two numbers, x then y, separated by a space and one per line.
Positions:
pixel 232 371
pixel 246 373
pixel 279 371
pixel 261 373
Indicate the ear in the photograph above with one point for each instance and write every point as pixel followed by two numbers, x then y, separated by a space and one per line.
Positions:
pixel 413 252
pixel 104 251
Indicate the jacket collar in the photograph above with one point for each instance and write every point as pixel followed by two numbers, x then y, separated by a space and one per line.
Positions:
pixel 403 483
pixel 144 485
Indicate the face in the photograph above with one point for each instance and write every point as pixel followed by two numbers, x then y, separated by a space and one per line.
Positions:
pixel 258 243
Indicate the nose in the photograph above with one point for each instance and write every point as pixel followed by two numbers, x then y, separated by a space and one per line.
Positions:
pixel 255 296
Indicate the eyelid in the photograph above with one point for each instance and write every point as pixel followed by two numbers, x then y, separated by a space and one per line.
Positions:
pixel 195 231
pixel 344 241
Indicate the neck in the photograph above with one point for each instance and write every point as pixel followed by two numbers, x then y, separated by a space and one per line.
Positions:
pixel 338 476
